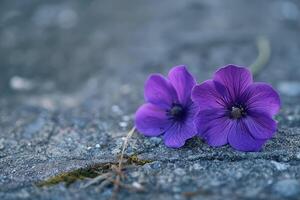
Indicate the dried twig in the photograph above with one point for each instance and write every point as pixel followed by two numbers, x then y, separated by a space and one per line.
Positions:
pixel 129 135
pixel 116 175
pixel 103 184
pixel 117 181
pixel 97 179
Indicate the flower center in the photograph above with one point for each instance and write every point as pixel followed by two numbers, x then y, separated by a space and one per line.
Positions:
pixel 177 112
pixel 237 112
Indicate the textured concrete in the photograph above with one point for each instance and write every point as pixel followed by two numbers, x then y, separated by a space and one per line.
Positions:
pixel 72 76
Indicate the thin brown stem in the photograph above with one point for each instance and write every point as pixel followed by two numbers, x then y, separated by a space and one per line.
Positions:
pixel 117 181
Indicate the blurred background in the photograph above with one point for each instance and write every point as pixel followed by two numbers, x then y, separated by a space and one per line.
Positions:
pixel 58 46
pixel 72 75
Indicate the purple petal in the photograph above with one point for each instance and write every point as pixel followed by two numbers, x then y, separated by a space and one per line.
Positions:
pixel 260 125
pixel 176 136
pixel 183 82
pixel 262 97
pixel 235 79
pixel 159 91
pixel 213 126
pixel 210 94
pixel 151 120
pixel 241 139
pixel 192 110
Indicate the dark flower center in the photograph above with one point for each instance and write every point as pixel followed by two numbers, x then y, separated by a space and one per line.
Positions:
pixel 237 112
pixel 177 112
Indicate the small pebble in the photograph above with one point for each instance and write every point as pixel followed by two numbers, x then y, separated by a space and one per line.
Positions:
pixel 155 165
pixel 176 189
pixel 123 124
pixel 280 166
pixel 2 144
pixel 97 145
pixel 197 166
pixel 116 109
pixel 155 140
pixel 179 171
pixel 89 148
pixel 126 118
pixel 290 117
pixel 20 83
pixel 137 185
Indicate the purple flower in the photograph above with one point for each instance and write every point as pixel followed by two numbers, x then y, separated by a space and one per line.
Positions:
pixel 169 109
pixel 234 110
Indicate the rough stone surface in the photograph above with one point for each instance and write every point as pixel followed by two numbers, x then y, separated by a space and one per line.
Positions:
pixel 72 75
pixel 287 188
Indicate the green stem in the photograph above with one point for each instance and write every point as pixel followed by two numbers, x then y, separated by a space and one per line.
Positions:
pixel 264 53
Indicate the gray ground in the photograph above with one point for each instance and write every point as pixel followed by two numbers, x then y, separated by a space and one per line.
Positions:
pixel 72 76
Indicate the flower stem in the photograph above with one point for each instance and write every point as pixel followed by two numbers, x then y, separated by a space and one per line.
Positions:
pixel 264 53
